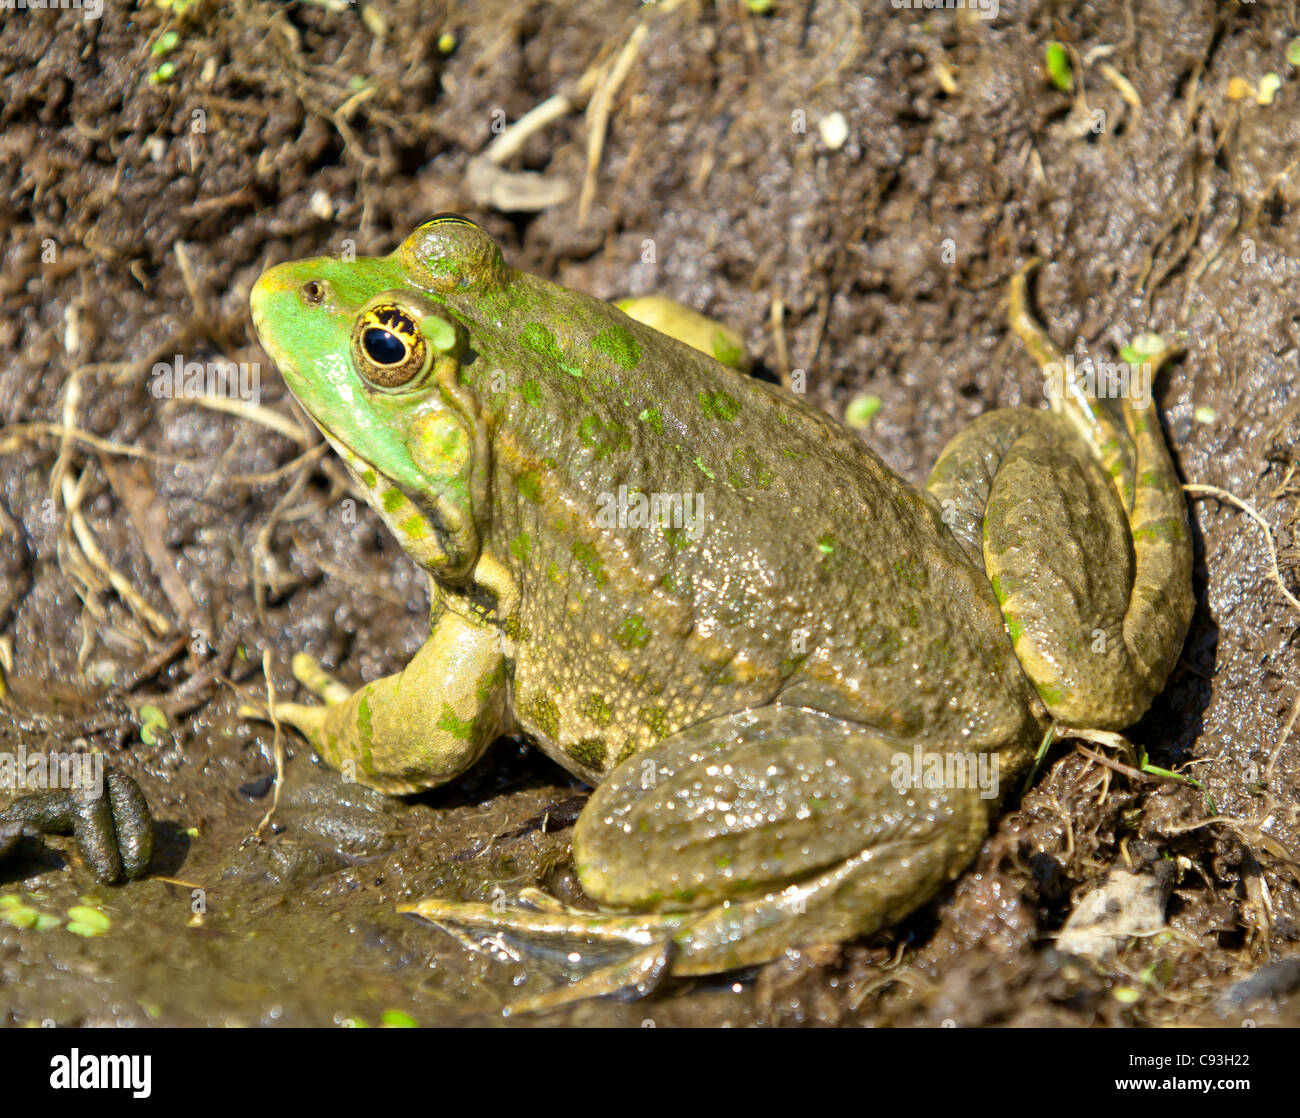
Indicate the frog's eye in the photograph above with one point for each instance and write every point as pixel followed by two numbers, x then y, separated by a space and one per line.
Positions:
pixel 387 346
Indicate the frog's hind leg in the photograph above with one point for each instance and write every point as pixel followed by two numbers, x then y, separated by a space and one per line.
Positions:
pixel 744 835
pixel 1079 521
pixel 780 827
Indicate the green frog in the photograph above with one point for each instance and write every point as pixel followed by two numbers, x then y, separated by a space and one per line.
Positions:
pixel 713 603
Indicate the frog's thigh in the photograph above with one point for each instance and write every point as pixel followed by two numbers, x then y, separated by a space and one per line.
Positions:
pixel 422 726
pixel 1058 552
pixel 962 478
pixel 783 823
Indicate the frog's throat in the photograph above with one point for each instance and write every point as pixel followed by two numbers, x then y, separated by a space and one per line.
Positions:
pixel 440 534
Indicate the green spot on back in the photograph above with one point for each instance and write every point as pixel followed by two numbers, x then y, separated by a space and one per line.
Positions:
pixel 654 417
pixel 1049 694
pixel 530 488
pixel 720 673
pixel 879 644
pixel 603 438
pixel 414 528
pixel 537 339
pixel 719 405
pixel 366 732
pixel 590 560
pixel 531 392
pixel 516 630
pixel 459 728
pixel 676 538
pixel 547 716
pixel 656 718
pixel 589 752
pixel 910 571
pixel 489 680
pixel 633 632
pixel 617 343
pixel 747 468
pixel 521 547
pixel 1168 528
pixel 596 709
pixel 392 500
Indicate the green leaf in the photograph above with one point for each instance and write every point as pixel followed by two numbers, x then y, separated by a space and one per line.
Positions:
pixel 1058 66
pixel 152 722
pixel 166 43
pixel 861 410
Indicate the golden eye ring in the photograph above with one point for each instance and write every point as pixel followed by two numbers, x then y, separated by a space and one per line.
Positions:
pixel 387 346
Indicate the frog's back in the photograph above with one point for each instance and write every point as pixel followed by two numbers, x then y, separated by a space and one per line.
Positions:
pixel 688 541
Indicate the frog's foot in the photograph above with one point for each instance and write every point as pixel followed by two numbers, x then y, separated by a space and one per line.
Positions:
pixel 307 718
pixel 112 825
pixel 643 946
pixel 1078 519
pixel 741 836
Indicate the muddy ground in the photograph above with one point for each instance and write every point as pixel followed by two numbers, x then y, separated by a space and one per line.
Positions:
pixel 148 178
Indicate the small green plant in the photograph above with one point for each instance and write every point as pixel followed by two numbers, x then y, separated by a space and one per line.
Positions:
pixel 1059 68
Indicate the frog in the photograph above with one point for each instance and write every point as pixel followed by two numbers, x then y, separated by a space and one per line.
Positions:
pixel 713 603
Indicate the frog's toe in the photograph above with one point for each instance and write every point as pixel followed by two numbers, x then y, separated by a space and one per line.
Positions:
pixel 112 824
pixel 307 670
pixel 113 828
pixel 549 919
pixel 605 954
pixel 307 718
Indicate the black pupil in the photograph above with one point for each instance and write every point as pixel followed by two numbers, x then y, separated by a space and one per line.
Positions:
pixel 382 346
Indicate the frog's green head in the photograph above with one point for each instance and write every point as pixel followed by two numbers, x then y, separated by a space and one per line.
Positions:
pixel 371 351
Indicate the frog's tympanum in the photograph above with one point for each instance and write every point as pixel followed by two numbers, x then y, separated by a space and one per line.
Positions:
pixel 780 666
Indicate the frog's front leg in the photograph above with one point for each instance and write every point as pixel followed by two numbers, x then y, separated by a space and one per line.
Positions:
pixel 698 331
pixel 418 728
pixel 747 834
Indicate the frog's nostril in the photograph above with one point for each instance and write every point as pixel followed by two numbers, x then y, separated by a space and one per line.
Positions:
pixel 313 293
